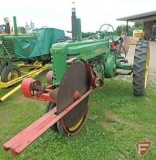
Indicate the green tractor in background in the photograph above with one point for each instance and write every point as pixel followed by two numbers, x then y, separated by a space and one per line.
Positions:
pixel 31 49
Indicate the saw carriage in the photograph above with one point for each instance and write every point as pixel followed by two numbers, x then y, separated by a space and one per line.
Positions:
pixel 78 67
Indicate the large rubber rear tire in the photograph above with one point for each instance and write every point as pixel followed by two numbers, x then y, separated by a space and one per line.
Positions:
pixel 141 67
pixel 6 75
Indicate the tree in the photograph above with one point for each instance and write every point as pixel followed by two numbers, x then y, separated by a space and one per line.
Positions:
pixel 122 29
pixel 118 30
pixel 21 30
pixel 87 34
pixel 137 26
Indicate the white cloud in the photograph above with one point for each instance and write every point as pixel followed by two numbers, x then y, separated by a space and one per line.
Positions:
pixel 57 14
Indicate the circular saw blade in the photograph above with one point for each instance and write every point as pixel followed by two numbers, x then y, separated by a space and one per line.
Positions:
pixel 75 79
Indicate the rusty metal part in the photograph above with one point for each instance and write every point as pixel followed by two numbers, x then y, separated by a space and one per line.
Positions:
pixel 74 84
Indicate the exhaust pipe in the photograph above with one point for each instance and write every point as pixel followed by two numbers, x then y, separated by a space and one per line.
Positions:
pixel 73 18
pixel 15 26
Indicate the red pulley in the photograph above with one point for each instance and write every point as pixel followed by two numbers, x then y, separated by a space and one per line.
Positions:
pixel 28 87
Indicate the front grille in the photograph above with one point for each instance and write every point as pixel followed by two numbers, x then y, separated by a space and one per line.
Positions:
pixel 8 46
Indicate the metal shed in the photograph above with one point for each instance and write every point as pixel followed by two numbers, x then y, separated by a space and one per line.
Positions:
pixel 148 19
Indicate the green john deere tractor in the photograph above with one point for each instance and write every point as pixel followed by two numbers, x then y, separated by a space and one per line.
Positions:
pixel 78 67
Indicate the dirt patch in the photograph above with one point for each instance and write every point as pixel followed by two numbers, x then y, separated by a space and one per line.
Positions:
pixel 110 114
pixel 116 123
pixel 116 118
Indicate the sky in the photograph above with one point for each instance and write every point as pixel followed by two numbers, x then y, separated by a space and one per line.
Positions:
pixel 57 13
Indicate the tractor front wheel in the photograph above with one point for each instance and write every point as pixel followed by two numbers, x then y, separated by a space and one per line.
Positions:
pixel 50 106
pixel 141 67
pixel 7 75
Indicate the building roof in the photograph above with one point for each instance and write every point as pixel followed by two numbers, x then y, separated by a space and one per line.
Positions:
pixel 148 16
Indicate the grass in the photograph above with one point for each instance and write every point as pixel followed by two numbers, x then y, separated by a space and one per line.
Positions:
pixel 116 122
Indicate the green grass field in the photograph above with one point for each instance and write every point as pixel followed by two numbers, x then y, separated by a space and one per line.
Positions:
pixel 116 122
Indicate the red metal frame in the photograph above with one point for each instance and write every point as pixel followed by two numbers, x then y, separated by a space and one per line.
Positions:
pixel 23 139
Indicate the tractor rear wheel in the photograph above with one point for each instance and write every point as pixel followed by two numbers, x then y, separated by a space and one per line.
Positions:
pixel 141 67
pixel 6 74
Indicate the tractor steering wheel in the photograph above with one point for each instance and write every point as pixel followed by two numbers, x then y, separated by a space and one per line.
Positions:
pixel 106 31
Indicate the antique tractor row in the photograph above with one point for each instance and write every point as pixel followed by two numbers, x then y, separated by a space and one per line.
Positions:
pixel 78 67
